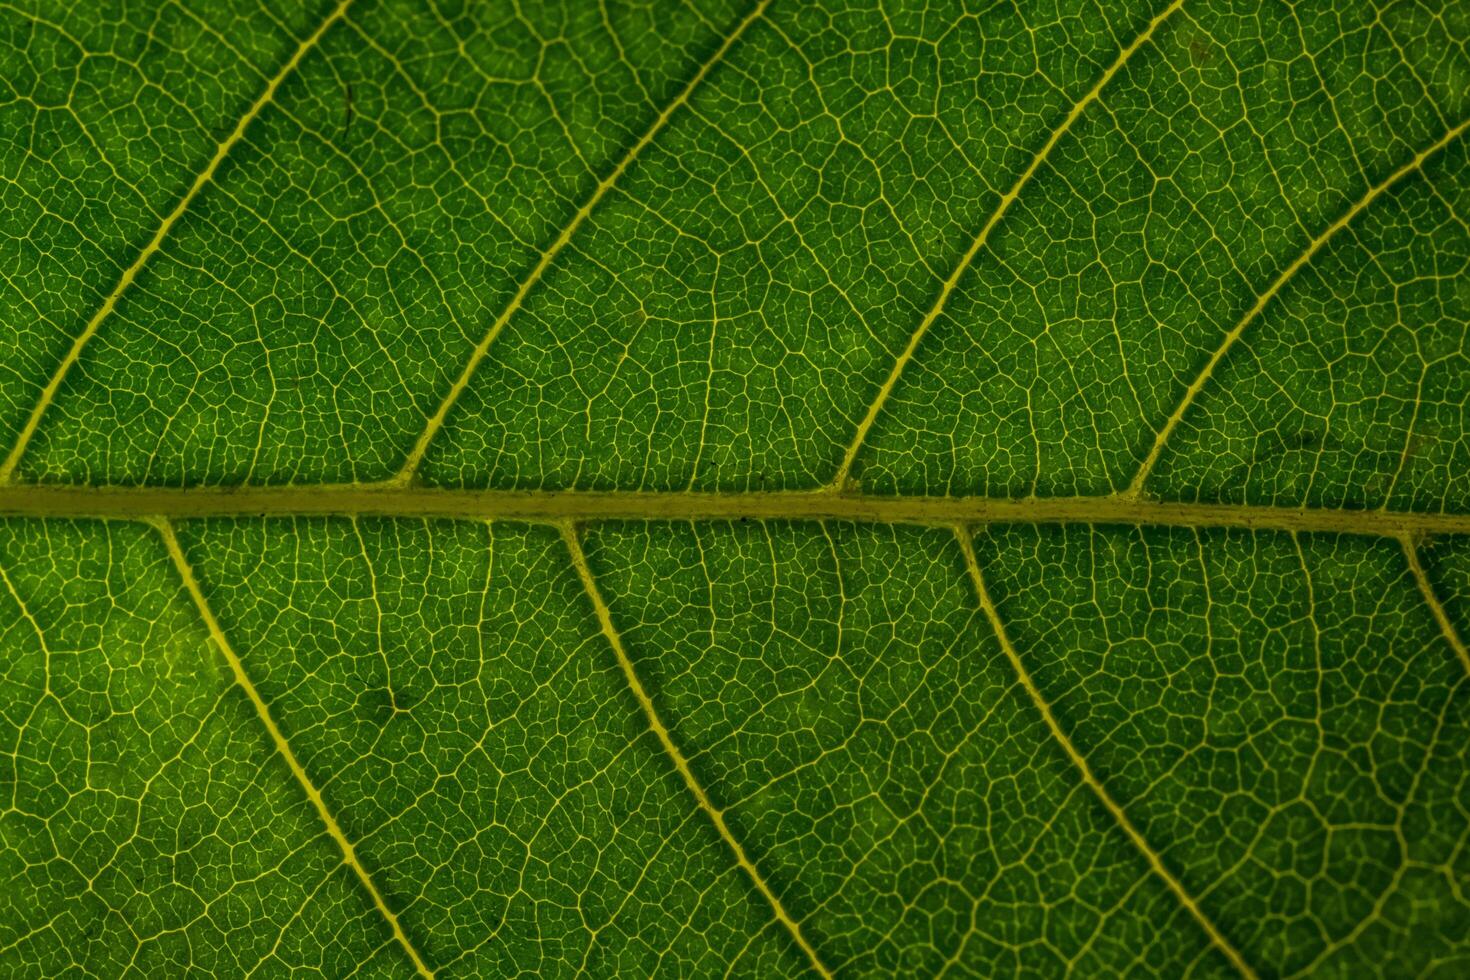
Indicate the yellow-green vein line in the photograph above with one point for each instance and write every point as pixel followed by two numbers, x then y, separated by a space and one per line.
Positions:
pixel 556 506
pixel 716 816
pixel 1426 589
pixel 1264 299
pixel 1007 199
pixel 48 394
pixel 216 633
pixel 1080 762
pixel 436 421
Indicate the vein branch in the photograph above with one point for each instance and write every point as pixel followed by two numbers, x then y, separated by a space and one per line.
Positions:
pixel 202 180
pixel 1006 200
pixel 1431 599
pixel 1153 858
pixel 1414 164
pixel 262 710
pixel 701 798
pixel 436 420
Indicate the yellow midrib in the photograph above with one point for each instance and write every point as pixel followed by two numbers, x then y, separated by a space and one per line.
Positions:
pixel 556 506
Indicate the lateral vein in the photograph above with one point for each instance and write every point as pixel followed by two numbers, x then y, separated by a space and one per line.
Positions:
pixel 436 421
pixel 1079 761
pixel 1264 299
pixel 1431 599
pixel 349 854
pixel 48 394
pixel 716 816
pixel 948 288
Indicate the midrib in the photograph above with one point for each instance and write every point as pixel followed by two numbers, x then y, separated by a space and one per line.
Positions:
pixel 558 506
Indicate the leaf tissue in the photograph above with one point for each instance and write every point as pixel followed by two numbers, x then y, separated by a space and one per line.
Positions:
pixel 734 487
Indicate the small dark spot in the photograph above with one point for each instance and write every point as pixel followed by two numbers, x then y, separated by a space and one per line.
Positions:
pixel 1300 441
pixel 377 704
pixel 1418 442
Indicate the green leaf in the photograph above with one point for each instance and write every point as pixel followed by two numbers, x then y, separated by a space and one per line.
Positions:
pixel 777 488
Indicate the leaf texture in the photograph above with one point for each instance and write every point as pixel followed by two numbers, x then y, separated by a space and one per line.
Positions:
pixel 720 488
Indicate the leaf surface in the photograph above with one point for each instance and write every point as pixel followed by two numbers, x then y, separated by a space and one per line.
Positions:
pixel 719 488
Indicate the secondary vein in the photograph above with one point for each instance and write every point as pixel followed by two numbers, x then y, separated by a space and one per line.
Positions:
pixel 946 290
pixel 1155 862
pixel 701 798
pixel 1264 299
pixel 349 854
pixel 48 393
pixel 1426 589
pixel 435 421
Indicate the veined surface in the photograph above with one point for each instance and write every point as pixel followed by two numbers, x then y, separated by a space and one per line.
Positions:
pixel 758 488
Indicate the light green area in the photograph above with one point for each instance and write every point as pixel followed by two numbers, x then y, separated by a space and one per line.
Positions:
pixel 148 828
pixel 1219 253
